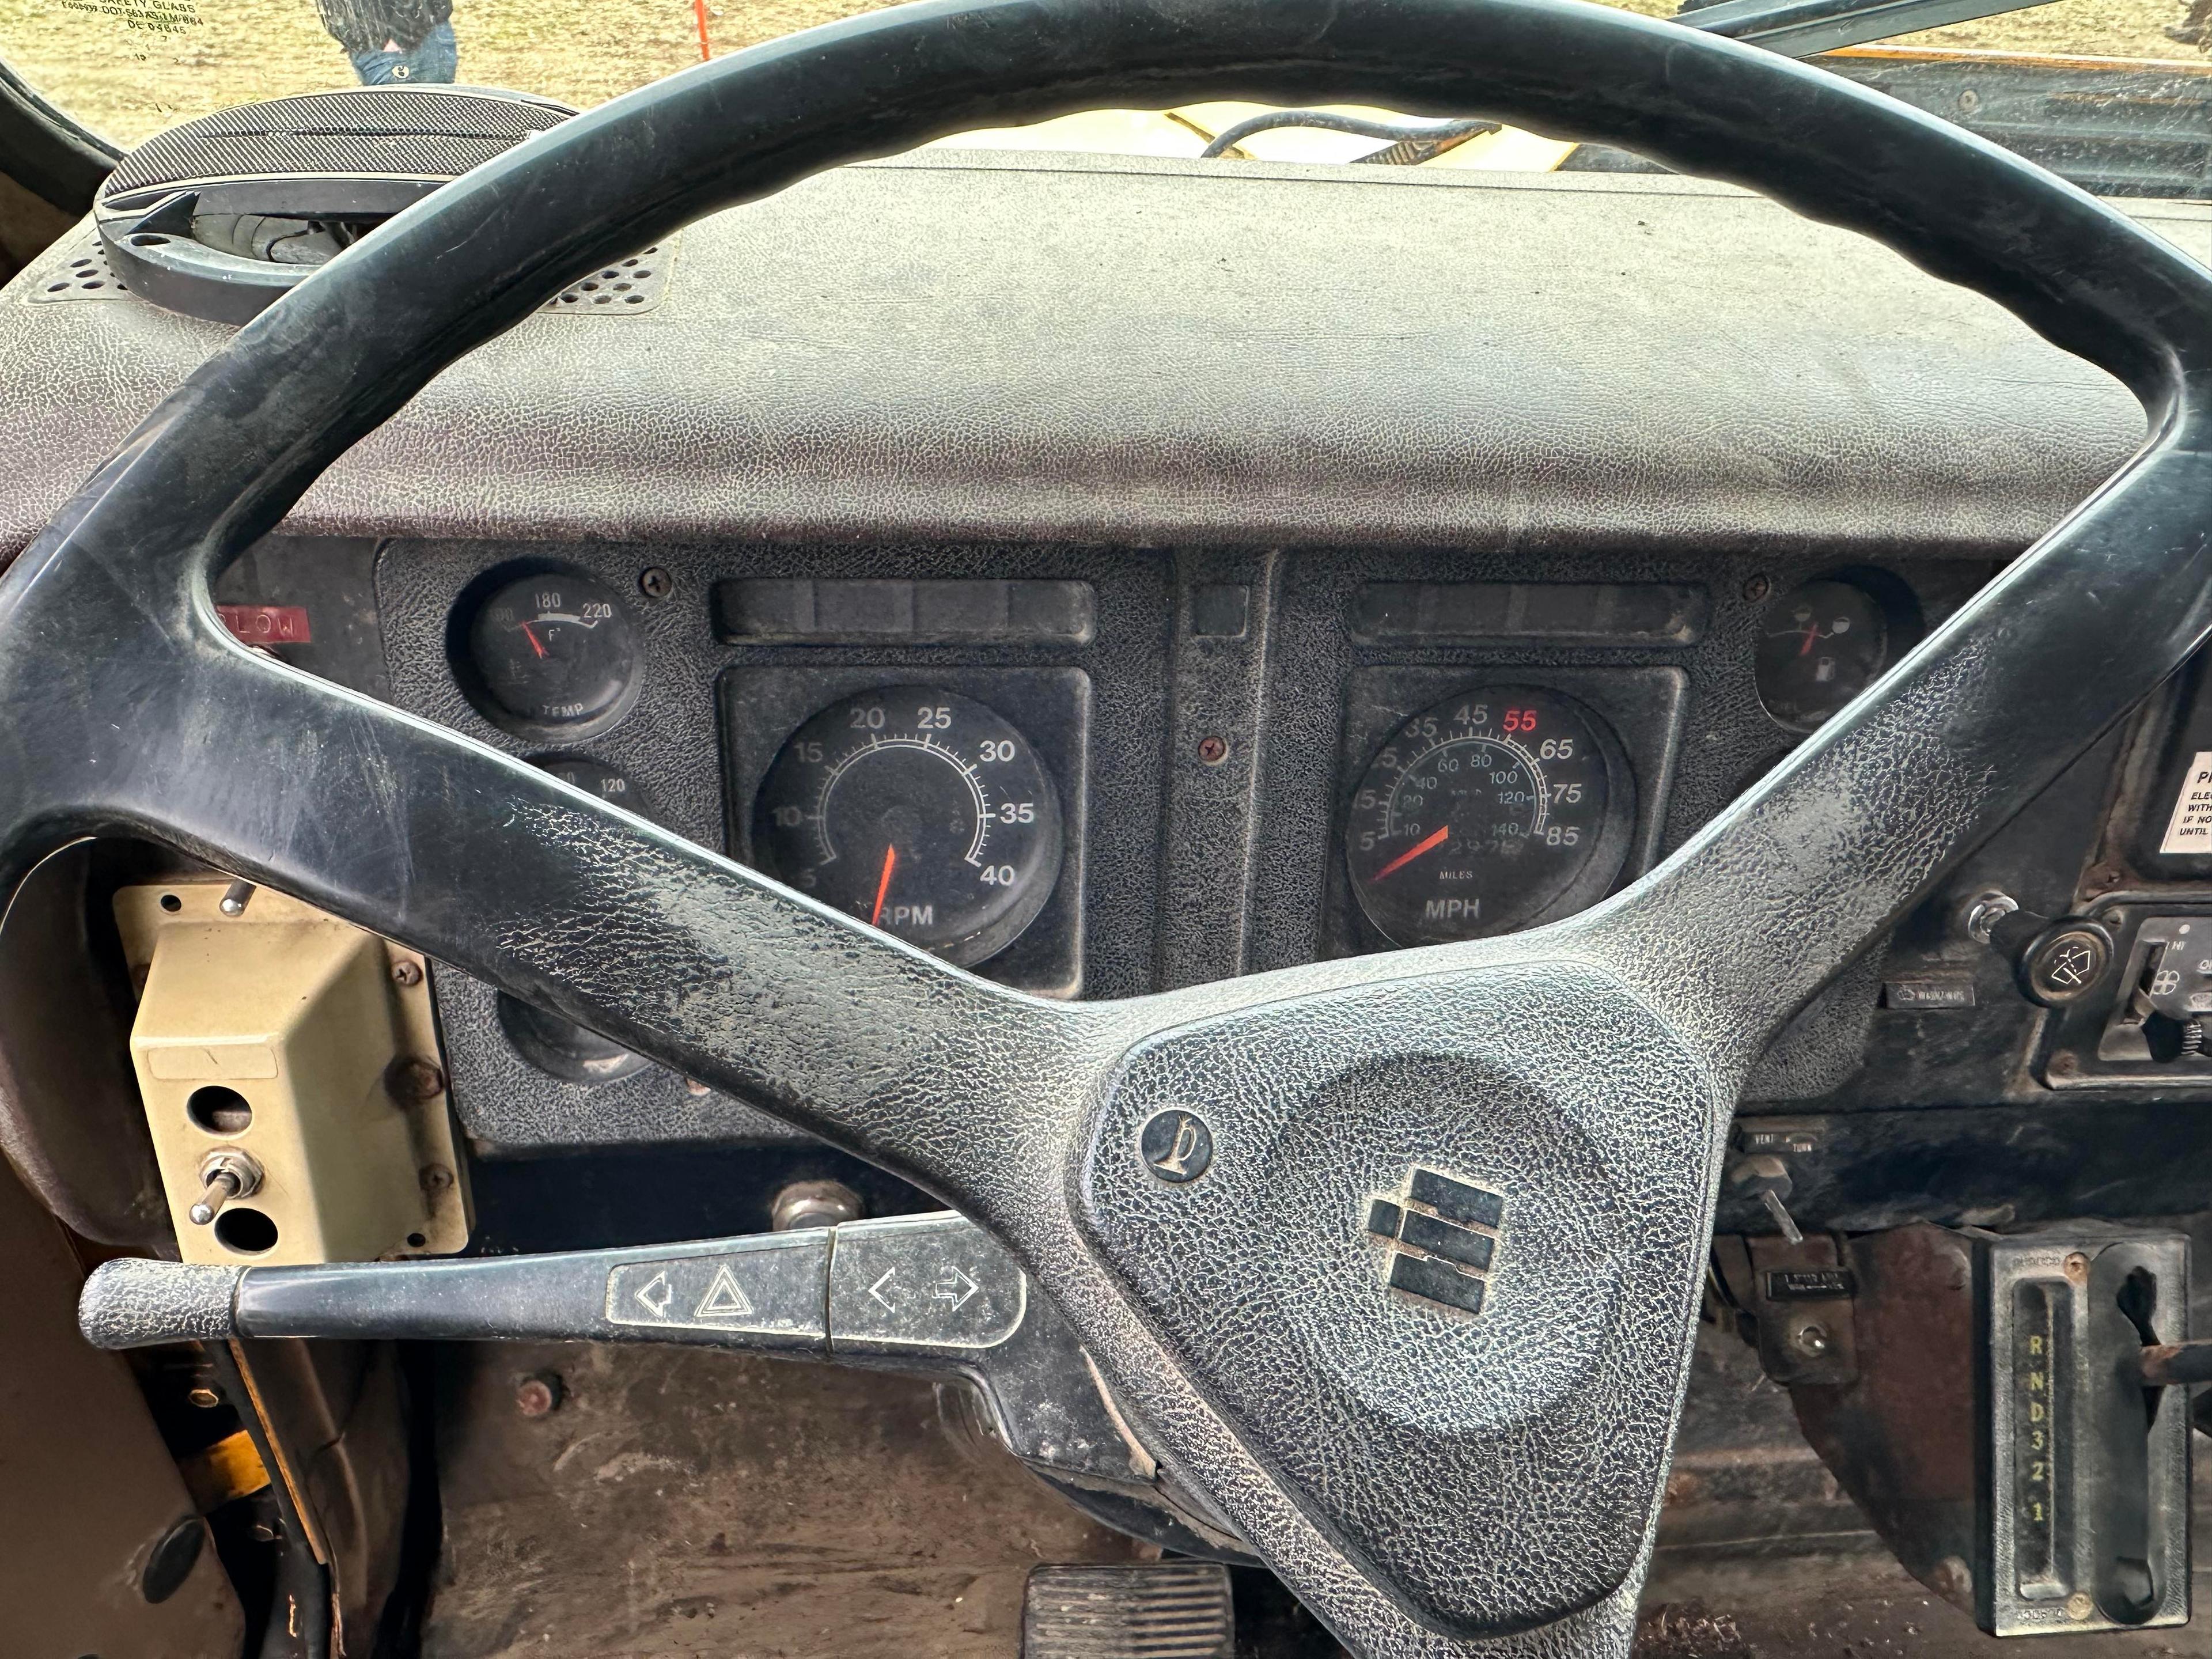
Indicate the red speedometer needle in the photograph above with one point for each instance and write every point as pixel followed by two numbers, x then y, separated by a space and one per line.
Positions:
pixel 532 638
pixel 883 885
pixel 1437 839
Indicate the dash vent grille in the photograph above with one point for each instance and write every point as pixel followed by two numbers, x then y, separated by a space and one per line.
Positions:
pixel 628 288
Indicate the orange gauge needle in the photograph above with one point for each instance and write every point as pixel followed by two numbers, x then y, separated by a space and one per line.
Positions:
pixel 883 885
pixel 532 638
pixel 1436 839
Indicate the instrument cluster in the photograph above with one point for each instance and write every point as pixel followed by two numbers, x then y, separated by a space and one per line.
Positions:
pixel 918 752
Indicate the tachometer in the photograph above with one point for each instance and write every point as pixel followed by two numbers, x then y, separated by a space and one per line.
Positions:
pixel 1487 812
pixel 919 810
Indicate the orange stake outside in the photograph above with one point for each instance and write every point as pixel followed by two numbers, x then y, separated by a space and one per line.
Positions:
pixel 699 11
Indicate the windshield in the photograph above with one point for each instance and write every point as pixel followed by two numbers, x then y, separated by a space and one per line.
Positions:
pixel 128 68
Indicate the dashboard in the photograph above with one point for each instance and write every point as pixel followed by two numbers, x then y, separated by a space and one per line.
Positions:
pixel 1115 576
pixel 1152 599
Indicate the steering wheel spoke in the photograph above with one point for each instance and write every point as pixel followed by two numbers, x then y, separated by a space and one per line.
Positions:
pixel 496 868
pixel 1759 910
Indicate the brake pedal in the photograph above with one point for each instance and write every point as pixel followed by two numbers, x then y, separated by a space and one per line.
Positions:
pixel 1152 1610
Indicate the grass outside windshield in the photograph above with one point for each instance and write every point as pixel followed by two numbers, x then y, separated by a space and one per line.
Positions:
pixel 127 69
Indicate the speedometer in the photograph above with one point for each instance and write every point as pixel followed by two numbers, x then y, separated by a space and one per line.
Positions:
pixel 1488 812
pixel 920 811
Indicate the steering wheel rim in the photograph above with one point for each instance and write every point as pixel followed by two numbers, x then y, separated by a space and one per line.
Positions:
pixel 1426 1482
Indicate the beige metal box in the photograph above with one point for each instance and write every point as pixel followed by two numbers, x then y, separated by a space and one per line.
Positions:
pixel 301 1050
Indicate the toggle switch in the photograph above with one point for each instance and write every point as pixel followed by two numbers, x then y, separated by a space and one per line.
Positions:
pixel 1766 1178
pixel 225 1174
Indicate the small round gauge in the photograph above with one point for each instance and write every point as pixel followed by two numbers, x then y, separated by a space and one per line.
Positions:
pixel 1819 646
pixel 596 778
pixel 920 811
pixel 1498 808
pixel 558 1047
pixel 554 650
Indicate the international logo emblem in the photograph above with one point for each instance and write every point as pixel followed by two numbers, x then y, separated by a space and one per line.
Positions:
pixel 1441 1235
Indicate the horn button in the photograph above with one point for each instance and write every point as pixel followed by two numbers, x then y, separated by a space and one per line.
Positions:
pixel 1434 1286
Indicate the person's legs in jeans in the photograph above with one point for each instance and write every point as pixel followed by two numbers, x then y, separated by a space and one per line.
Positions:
pixel 437 59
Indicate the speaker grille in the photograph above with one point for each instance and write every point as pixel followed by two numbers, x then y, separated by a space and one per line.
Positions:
pixel 410 133
pixel 80 272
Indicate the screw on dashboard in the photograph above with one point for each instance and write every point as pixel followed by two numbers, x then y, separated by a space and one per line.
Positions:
pixel 1211 751
pixel 411 1082
pixel 655 583
pixel 814 1204
pixel 1758 588
pixel 407 973
pixel 540 1395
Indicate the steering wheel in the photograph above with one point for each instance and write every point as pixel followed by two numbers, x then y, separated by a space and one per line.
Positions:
pixel 1220 1187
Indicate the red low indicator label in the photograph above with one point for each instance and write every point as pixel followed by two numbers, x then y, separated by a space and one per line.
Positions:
pixel 267 624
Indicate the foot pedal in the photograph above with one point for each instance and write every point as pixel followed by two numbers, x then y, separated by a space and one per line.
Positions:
pixel 1163 1610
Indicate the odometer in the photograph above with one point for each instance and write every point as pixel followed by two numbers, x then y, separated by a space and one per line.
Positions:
pixel 1485 813
pixel 919 810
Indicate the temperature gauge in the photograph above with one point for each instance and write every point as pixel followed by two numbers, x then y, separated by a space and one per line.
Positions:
pixel 596 778
pixel 554 651
pixel 919 810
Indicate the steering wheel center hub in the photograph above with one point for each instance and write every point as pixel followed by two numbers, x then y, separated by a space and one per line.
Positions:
pixel 1409 1269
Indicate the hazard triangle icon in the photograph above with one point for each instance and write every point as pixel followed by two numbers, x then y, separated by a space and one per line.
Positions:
pixel 723 1300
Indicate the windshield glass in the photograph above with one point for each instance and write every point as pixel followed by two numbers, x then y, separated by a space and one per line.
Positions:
pixel 128 68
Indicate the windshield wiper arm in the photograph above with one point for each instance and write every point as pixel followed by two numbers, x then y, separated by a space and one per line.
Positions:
pixel 1798 28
